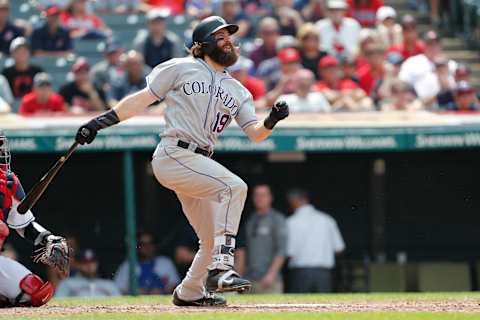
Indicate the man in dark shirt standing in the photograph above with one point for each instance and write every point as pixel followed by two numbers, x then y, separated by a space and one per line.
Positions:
pixel 20 75
pixel 8 31
pixel 51 39
pixel 158 44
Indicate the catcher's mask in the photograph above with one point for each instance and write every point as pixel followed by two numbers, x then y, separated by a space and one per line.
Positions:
pixel 203 32
pixel 5 156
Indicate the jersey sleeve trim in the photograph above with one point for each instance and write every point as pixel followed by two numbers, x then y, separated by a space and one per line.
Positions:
pixel 249 123
pixel 153 92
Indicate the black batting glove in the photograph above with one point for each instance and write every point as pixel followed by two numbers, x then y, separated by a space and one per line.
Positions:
pixel 279 112
pixel 87 132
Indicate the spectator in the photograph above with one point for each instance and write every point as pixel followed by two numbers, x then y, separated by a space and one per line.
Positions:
pixel 85 283
pixel 313 241
pixel 199 9
pixel 349 69
pixel 436 87
pixel 175 7
pixel 309 43
pixel 465 99
pixel 155 274
pixel 389 31
pixel 364 11
pixel 266 240
pixel 463 73
pixel 339 34
pixel 134 77
pixel 232 13
pixel 342 94
pixel 42 100
pixel 268 32
pixel 303 99
pixel 392 67
pixel 104 72
pixel 5 91
pixel 82 23
pixel 402 98
pixel 269 67
pixel 288 18
pixel 281 82
pixel 185 249
pixel 8 31
pixel 240 71
pixel 420 70
pixel 158 44
pixel 368 38
pixel 117 6
pixel 81 95
pixel 371 75
pixel 314 10
pixel 411 45
pixel 20 74
pixel 51 39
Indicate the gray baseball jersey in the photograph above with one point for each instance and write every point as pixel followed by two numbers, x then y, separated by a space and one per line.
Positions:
pixel 201 101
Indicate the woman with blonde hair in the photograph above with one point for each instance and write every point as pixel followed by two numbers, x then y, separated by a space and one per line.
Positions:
pixel 309 43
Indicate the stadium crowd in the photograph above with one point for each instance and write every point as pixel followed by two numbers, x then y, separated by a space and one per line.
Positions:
pixel 318 55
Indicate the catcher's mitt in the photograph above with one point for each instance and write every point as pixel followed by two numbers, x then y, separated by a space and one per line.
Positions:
pixel 54 252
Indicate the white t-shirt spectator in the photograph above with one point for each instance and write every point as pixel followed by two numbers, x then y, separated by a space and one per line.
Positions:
pixel 314 102
pixel 419 66
pixel 79 286
pixel 313 239
pixel 331 38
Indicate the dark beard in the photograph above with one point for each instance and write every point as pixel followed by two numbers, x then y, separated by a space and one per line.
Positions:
pixel 223 58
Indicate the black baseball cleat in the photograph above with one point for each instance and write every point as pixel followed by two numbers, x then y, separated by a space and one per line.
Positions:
pixel 209 300
pixel 226 281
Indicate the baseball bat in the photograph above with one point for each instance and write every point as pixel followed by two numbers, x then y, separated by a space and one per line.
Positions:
pixel 38 189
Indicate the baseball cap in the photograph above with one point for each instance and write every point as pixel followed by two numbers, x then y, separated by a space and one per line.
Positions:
pixel 52 10
pixel 159 13
pixel 431 37
pixel 241 64
pixel 463 87
pixel 85 255
pixel 112 45
pixel 288 55
pixel 286 42
pixel 386 12
pixel 328 61
pixel 337 5
pixel 17 43
pixel 463 70
pixel 42 79
pixel 394 58
pixel 408 21
pixel 440 61
pixel 80 65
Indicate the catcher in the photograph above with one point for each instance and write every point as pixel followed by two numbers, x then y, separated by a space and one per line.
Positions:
pixel 19 287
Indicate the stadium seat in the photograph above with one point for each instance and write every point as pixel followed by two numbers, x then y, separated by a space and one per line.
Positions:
pixel 443 277
pixel 388 277
pixel 120 22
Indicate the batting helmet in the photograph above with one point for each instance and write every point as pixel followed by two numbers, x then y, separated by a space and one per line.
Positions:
pixel 203 32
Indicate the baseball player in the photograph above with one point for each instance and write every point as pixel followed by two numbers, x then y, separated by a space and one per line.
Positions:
pixel 202 99
pixel 19 287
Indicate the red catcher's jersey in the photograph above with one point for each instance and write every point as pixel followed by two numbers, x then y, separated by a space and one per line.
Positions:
pixel 10 188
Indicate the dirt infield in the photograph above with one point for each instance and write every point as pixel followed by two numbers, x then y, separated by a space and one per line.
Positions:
pixel 465 306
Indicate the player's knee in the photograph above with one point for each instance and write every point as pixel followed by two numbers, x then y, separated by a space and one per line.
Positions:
pixel 40 292
pixel 239 186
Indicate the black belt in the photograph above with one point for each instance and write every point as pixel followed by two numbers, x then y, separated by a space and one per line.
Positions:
pixel 185 145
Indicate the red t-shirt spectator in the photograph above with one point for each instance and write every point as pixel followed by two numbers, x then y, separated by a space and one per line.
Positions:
pixel 255 86
pixel 89 22
pixel 367 79
pixel 364 13
pixel 418 49
pixel 343 84
pixel 176 6
pixel 30 106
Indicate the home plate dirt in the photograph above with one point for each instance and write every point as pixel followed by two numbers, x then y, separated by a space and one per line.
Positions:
pixel 454 305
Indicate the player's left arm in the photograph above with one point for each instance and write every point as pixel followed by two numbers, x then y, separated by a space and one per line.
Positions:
pixel 260 130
